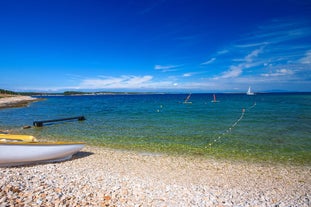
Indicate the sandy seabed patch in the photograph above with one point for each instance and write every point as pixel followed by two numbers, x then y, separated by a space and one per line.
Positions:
pixel 97 176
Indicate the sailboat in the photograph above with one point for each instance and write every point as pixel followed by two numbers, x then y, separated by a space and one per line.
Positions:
pixel 249 92
pixel 214 99
pixel 187 100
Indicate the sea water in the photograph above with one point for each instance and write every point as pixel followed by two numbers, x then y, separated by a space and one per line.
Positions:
pixel 272 127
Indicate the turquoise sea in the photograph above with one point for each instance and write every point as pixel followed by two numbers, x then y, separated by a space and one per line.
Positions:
pixel 272 127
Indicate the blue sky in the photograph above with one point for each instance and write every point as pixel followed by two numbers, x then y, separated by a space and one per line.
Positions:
pixel 155 45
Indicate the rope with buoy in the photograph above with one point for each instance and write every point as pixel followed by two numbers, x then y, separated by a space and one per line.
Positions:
pixel 232 126
pixel 252 106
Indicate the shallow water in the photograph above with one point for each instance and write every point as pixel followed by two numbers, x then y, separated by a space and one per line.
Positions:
pixel 268 127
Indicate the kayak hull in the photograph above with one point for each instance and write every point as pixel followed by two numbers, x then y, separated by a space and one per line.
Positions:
pixel 23 153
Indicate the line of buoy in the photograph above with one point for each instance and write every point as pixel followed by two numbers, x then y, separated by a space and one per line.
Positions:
pixel 232 126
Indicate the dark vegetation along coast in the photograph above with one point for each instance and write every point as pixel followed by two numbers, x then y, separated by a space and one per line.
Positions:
pixel 11 99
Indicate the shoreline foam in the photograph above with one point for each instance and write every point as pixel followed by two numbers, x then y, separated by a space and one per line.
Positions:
pixel 103 177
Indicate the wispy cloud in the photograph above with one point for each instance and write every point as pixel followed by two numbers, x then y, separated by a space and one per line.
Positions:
pixel 221 52
pixel 236 70
pixel 187 74
pixel 209 61
pixel 281 72
pixel 166 68
pixel 116 82
pixel 252 45
pixel 233 72
pixel 271 57
pixel 276 54
pixel 250 57
pixel 278 31
pixel 307 58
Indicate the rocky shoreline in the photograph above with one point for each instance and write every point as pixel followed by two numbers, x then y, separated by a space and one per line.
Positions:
pixel 16 101
pixel 97 176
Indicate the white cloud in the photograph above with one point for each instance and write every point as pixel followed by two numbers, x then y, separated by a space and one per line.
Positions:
pixel 281 72
pixel 233 72
pixel 307 58
pixel 166 68
pixel 116 82
pixel 187 74
pixel 248 62
pixel 252 45
pixel 125 82
pixel 193 73
pixel 134 80
pixel 221 52
pixel 250 57
pixel 279 49
pixel 209 61
pixel 279 31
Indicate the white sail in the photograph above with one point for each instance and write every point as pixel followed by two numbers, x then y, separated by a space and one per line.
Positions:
pixel 187 99
pixel 214 99
pixel 249 91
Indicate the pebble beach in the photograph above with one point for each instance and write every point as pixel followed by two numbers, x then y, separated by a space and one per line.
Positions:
pixel 98 176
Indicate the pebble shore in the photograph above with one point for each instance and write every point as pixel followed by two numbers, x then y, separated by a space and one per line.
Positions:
pixel 97 176
pixel 16 101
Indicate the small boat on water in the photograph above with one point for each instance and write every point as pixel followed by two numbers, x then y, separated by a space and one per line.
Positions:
pixel 21 150
pixel 214 99
pixel 186 101
pixel 249 92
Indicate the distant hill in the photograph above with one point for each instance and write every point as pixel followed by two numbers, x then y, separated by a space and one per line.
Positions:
pixel 4 92
pixel 69 93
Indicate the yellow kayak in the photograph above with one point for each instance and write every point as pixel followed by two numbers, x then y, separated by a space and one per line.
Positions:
pixel 18 137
